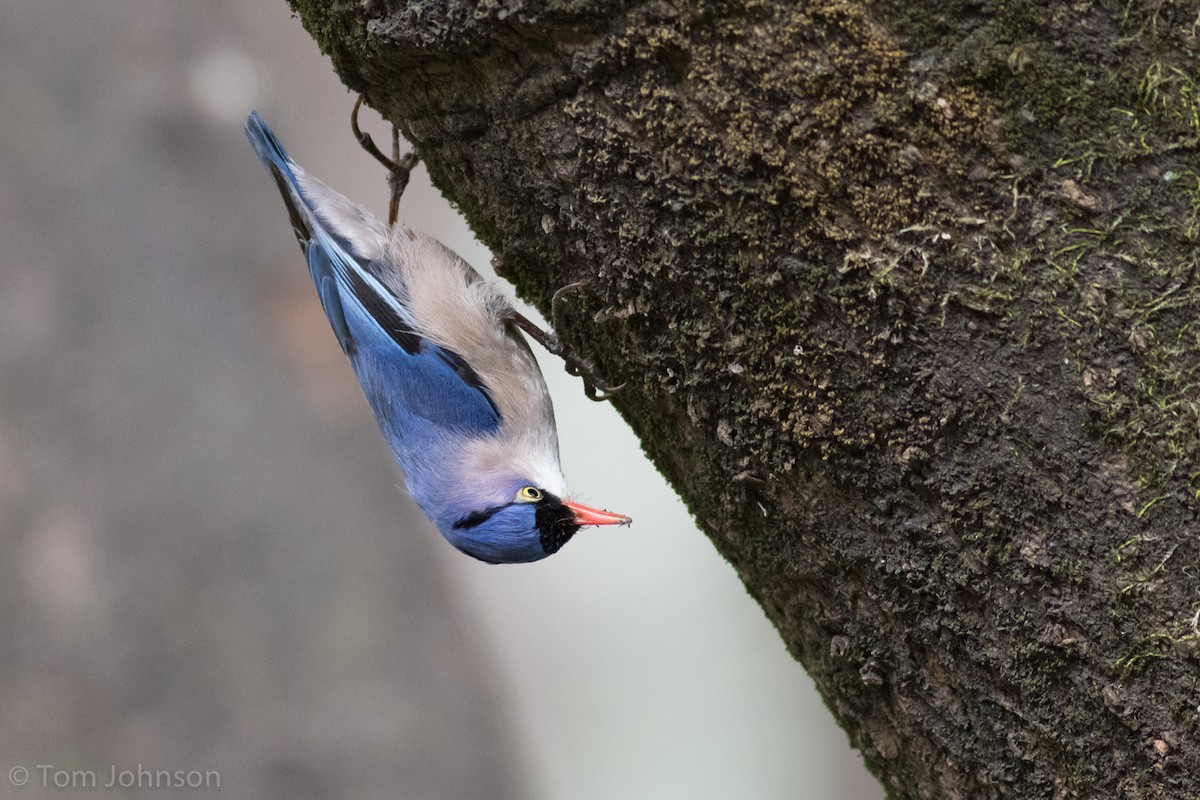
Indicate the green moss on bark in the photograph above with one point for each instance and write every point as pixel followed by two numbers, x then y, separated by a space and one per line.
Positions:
pixel 905 296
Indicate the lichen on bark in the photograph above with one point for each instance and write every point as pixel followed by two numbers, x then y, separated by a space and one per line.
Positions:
pixel 906 296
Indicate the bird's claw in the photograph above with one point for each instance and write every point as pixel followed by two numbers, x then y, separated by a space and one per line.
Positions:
pixel 556 303
pixel 399 167
pixel 600 393
pixel 593 386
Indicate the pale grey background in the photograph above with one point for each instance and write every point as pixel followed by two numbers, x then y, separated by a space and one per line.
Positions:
pixel 206 561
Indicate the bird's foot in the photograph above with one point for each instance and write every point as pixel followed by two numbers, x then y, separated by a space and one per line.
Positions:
pixel 399 167
pixel 593 385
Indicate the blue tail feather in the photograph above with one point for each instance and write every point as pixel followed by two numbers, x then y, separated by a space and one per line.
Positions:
pixel 262 138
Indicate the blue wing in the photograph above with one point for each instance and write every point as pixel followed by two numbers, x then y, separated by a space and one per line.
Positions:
pixel 410 381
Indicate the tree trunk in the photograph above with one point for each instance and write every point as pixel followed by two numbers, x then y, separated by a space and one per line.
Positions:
pixel 908 308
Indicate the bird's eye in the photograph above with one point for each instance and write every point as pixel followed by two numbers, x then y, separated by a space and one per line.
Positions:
pixel 529 494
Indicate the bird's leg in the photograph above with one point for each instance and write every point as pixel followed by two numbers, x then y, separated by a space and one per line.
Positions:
pixel 399 167
pixel 595 388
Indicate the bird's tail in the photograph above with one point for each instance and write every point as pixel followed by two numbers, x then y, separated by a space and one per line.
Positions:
pixel 323 247
pixel 262 138
pixel 285 172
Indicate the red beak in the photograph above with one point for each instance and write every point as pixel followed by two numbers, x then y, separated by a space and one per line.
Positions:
pixel 594 516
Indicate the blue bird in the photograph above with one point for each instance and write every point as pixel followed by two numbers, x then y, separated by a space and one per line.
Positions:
pixel 454 387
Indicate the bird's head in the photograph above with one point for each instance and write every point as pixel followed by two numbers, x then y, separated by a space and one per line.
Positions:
pixel 531 525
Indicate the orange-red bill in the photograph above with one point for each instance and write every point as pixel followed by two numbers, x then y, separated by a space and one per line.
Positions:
pixel 594 516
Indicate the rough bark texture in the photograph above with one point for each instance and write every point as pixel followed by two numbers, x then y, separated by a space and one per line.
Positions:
pixel 907 300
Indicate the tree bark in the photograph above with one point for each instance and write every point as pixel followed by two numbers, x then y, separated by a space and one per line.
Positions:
pixel 908 307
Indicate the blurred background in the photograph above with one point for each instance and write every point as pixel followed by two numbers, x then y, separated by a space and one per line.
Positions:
pixel 207 561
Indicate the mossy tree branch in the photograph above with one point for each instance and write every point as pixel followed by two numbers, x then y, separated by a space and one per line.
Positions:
pixel 907 300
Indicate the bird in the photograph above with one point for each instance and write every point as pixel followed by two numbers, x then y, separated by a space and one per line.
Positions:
pixel 440 358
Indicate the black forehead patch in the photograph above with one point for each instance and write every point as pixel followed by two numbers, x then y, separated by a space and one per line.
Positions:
pixel 555 522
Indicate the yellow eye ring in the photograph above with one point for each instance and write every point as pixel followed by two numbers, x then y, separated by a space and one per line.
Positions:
pixel 529 494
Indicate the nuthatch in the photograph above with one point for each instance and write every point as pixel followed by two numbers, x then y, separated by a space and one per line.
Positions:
pixel 454 386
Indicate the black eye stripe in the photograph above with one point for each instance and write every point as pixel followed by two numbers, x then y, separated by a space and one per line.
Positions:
pixel 476 518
